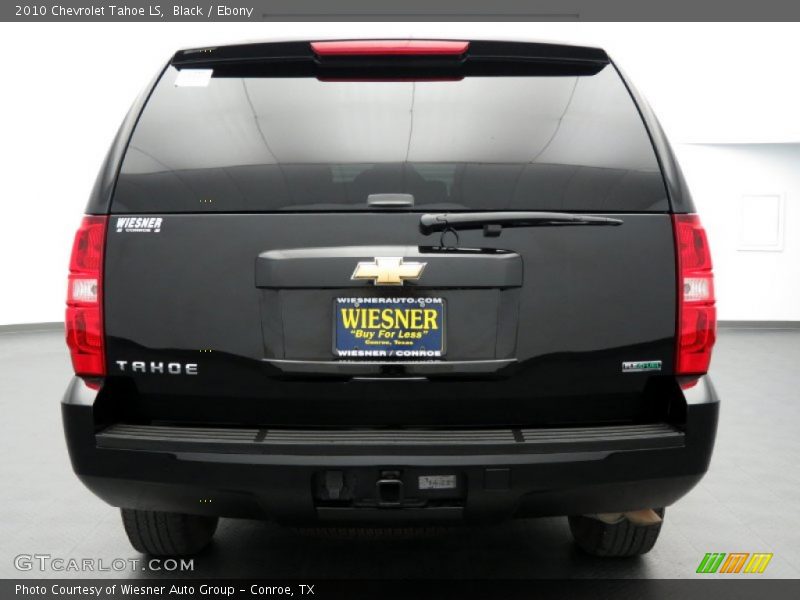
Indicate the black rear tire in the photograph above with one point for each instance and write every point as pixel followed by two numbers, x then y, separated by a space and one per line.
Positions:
pixel 168 534
pixel 617 539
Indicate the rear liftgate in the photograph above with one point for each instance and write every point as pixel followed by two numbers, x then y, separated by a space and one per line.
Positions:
pixel 357 301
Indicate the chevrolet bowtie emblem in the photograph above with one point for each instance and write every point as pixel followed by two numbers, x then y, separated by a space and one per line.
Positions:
pixel 388 270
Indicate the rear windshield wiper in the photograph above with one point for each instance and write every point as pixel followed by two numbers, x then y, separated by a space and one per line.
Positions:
pixel 492 223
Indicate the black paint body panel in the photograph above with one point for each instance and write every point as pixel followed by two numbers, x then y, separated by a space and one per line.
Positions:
pixel 590 298
pixel 227 311
pixel 586 472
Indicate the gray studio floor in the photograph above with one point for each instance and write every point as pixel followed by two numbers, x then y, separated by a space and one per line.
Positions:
pixel 747 503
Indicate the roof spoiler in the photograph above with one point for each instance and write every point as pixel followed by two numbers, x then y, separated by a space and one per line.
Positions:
pixel 468 57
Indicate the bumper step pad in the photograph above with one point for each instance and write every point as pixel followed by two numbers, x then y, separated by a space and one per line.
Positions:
pixel 258 441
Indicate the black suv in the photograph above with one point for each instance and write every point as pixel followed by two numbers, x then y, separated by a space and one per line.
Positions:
pixel 390 283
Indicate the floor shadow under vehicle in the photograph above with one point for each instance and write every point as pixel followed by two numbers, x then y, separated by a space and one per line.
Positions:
pixel 520 549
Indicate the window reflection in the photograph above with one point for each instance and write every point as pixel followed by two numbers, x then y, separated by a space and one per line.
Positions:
pixel 569 143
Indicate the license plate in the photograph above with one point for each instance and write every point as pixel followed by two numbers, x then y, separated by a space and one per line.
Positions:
pixel 375 328
pixel 437 482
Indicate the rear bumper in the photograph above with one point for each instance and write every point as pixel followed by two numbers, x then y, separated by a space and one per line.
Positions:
pixel 304 477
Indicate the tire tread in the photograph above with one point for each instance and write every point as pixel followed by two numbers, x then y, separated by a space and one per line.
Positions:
pixel 167 534
pixel 620 539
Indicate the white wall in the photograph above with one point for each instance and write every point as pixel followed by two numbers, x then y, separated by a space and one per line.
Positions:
pixel 66 87
pixel 753 283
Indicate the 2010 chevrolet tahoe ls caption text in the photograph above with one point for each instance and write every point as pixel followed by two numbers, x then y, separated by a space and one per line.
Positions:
pixel 388 283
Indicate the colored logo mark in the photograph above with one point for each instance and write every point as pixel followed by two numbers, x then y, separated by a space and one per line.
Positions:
pixel 735 562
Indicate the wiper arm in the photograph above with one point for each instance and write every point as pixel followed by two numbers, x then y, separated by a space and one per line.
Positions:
pixel 493 222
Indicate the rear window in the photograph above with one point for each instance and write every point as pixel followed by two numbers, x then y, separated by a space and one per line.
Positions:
pixel 269 144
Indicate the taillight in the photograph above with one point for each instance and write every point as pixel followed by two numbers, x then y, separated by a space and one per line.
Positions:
pixel 389 48
pixel 84 318
pixel 697 315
